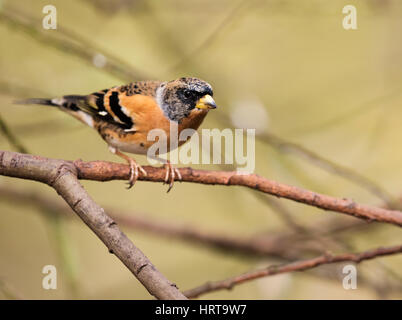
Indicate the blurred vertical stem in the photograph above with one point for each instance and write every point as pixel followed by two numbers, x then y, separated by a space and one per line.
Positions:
pixel 8 291
pixel 12 139
pixel 63 248
pixel 65 251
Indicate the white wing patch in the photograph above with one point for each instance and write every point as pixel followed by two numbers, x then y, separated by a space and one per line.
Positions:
pixel 86 118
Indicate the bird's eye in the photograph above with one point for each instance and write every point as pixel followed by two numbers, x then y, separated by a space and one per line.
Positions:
pixel 187 93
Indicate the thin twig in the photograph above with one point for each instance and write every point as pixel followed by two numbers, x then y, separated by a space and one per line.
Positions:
pixel 279 245
pixel 286 146
pixel 69 42
pixel 291 267
pixel 282 246
pixel 330 166
pixel 234 13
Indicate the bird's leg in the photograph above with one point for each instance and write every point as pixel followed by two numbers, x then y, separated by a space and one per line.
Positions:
pixel 172 173
pixel 134 166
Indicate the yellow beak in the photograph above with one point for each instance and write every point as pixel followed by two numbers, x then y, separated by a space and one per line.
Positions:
pixel 206 102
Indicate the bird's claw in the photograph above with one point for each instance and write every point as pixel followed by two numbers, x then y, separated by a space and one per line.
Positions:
pixel 171 174
pixel 135 168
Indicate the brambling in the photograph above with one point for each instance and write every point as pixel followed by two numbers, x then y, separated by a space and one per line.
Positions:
pixel 123 115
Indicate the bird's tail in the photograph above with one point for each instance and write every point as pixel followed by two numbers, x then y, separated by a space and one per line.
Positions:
pixel 45 102
pixel 69 102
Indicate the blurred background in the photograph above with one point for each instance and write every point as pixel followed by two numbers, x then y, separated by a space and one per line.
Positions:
pixel 326 103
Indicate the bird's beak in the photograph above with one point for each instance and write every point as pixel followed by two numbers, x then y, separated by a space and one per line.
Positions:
pixel 206 102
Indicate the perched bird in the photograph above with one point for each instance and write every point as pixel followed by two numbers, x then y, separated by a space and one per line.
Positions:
pixel 123 115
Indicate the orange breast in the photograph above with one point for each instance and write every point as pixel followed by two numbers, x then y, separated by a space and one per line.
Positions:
pixel 148 115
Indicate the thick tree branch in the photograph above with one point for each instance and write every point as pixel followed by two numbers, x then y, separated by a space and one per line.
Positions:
pixel 105 171
pixel 291 267
pixel 62 176
pixel 20 165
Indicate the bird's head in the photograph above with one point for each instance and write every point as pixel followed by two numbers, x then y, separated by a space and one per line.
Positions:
pixel 178 98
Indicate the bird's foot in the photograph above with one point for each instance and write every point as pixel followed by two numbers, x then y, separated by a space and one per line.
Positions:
pixel 172 174
pixel 135 168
